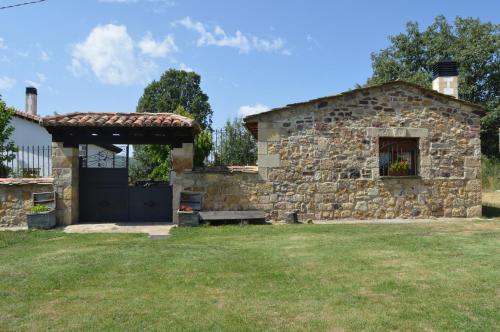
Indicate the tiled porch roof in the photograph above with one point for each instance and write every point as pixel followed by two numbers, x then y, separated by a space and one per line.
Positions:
pixel 132 120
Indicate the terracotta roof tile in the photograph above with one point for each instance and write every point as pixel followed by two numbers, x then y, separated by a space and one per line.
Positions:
pixel 27 116
pixel 120 120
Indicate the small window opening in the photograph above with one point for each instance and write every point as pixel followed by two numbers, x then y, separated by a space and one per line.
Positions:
pixel 398 156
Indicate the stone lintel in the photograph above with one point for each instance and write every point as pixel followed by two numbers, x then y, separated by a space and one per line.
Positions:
pixel 397 132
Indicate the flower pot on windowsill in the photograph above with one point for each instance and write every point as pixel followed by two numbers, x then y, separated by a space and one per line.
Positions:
pixel 402 172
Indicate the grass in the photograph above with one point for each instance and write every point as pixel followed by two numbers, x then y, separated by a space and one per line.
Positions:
pixel 416 277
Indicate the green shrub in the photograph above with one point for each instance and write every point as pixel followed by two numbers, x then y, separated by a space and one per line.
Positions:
pixel 202 147
pixel 489 133
pixel 490 173
pixel 39 209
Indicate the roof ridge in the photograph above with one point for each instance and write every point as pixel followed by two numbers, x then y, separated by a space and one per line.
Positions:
pixel 27 116
pixel 117 119
pixel 364 88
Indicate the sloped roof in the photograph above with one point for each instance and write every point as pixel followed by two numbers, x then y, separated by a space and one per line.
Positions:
pixel 120 120
pixel 28 116
pixel 251 120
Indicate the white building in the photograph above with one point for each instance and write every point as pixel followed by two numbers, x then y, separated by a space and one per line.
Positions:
pixel 34 143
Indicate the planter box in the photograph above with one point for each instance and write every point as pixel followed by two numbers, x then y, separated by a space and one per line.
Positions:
pixel 44 220
pixel 399 173
pixel 188 218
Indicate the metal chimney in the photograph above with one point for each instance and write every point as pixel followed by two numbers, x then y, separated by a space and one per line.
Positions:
pixel 31 100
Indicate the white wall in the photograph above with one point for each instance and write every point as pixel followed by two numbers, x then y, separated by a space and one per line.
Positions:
pixel 37 142
pixel 29 135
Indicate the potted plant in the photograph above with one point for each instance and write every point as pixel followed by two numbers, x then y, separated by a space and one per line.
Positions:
pixel 41 217
pixel 399 167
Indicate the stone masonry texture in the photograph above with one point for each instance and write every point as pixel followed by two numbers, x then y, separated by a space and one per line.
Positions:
pixel 320 159
pixel 16 200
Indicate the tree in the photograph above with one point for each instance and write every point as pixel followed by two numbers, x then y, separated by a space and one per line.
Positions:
pixel 7 147
pixel 177 88
pixel 474 45
pixel 236 145
pixel 179 92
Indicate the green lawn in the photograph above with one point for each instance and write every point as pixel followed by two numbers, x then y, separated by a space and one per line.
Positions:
pixel 304 277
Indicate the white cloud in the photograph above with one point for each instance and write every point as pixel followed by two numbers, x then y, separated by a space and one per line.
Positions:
pixel 6 82
pixel 41 77
pixel 33 83
pixel 155 49
pixel 243 42
pixel 109 53
pixel 250 110
pixel 44 56
pixel 2 44
pixel 185 67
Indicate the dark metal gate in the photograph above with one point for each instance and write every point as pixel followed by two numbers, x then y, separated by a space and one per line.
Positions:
pixel 106 196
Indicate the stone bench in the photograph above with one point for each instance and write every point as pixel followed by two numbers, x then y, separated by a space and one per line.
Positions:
pixel 242 216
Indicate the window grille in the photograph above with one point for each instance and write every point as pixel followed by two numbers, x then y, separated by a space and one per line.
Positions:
pixel 398 156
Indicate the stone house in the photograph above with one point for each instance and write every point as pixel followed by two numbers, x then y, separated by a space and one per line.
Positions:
pixel 394 150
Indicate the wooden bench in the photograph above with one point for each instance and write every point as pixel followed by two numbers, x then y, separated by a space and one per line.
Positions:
pixel 242 216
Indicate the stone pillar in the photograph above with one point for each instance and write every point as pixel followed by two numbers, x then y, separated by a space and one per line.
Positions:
pixel 65 172
pixel 182 161
pixel 267 160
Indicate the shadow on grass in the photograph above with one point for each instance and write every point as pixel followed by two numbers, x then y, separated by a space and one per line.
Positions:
pixel 491 211
pixel 237 222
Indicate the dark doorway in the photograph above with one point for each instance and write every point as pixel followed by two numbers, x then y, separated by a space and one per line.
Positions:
pixel 107 196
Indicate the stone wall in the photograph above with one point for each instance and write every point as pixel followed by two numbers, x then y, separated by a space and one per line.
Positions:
pixel 16 199
pixel 321 157
pixel 229 188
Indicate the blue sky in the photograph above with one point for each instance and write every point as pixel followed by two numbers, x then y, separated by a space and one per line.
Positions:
pixel 98 55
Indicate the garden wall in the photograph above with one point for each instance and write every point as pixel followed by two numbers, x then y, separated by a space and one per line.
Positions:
pixel 16 200
pixel 228 188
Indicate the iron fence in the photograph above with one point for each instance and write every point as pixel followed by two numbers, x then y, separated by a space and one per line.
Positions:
pixel 111 156
pixel 29 161
pixel 234 147
pixel 398 156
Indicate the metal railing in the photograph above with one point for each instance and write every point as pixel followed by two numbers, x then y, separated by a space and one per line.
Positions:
pixel 398 157
pixel 236 147
pixel 29 161
pixel 93 156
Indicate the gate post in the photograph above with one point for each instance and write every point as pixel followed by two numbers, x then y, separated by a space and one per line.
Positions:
pixel 182 161
pixel 65 167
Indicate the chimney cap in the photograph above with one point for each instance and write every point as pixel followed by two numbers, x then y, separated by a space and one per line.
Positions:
pixel 30 90
pixel 445 68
